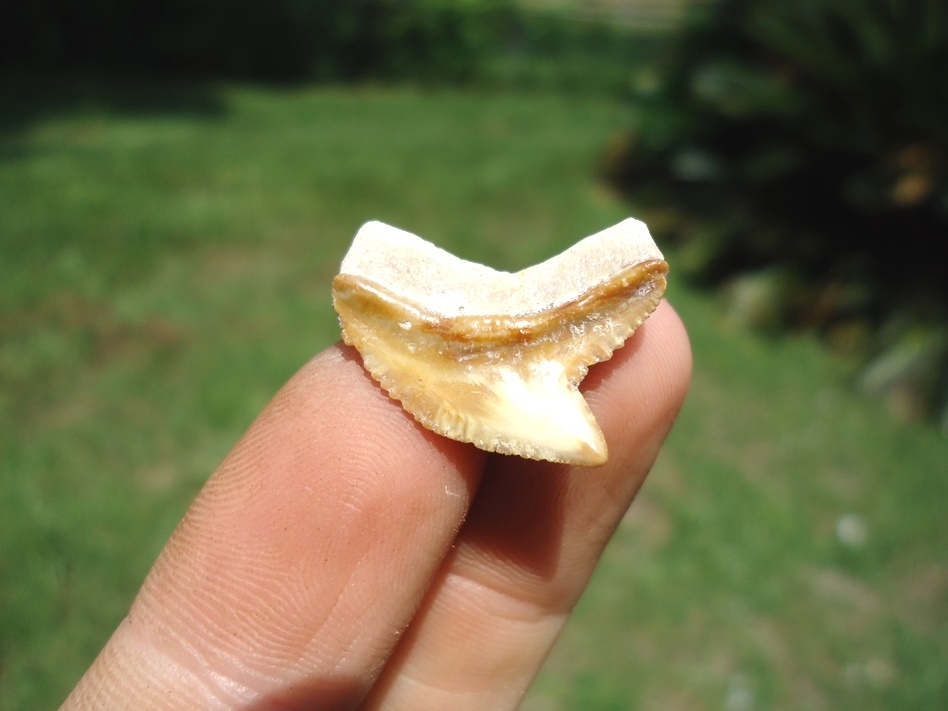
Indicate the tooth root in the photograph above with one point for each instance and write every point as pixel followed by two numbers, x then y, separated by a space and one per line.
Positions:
pixel 492 358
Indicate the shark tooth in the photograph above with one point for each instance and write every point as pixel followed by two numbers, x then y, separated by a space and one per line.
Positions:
pixel 495 358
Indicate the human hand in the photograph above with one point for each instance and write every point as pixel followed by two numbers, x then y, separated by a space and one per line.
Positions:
pixel 344 557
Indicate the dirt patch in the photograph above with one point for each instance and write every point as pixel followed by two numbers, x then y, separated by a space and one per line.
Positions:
pixel 922 598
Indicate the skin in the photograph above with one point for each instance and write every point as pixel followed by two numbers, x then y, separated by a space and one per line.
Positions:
pixel 344 557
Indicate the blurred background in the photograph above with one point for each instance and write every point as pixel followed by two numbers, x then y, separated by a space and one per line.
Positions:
pixel 179 181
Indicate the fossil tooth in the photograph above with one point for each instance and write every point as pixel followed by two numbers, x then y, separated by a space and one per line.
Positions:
pixel 490 357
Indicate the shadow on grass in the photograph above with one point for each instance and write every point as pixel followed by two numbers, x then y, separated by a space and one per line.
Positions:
pixel 29 97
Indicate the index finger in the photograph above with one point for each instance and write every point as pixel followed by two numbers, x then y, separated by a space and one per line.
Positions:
pixel 301 560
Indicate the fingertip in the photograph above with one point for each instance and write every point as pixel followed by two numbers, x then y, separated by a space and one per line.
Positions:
pixel 669 359
pixel 647 379
pixel 675 345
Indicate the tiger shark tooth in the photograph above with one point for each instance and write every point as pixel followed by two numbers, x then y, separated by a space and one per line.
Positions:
pixel 496 358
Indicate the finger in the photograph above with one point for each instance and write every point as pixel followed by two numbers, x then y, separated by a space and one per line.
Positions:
pixel 532 539
pixel 292 575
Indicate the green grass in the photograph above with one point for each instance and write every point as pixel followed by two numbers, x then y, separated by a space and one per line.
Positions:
pixel 165 258
pixel 730 584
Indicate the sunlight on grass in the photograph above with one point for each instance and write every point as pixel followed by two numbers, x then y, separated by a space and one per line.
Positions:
pixel 165 270
pixel 771 560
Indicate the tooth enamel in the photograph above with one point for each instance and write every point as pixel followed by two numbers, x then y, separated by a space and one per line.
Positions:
pixel 490 357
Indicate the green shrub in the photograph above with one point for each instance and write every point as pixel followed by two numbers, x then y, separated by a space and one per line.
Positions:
pixel 489 42
pixel 810 136
pixel 282 39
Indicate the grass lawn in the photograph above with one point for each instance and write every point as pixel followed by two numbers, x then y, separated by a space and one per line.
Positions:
pixel 165 259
